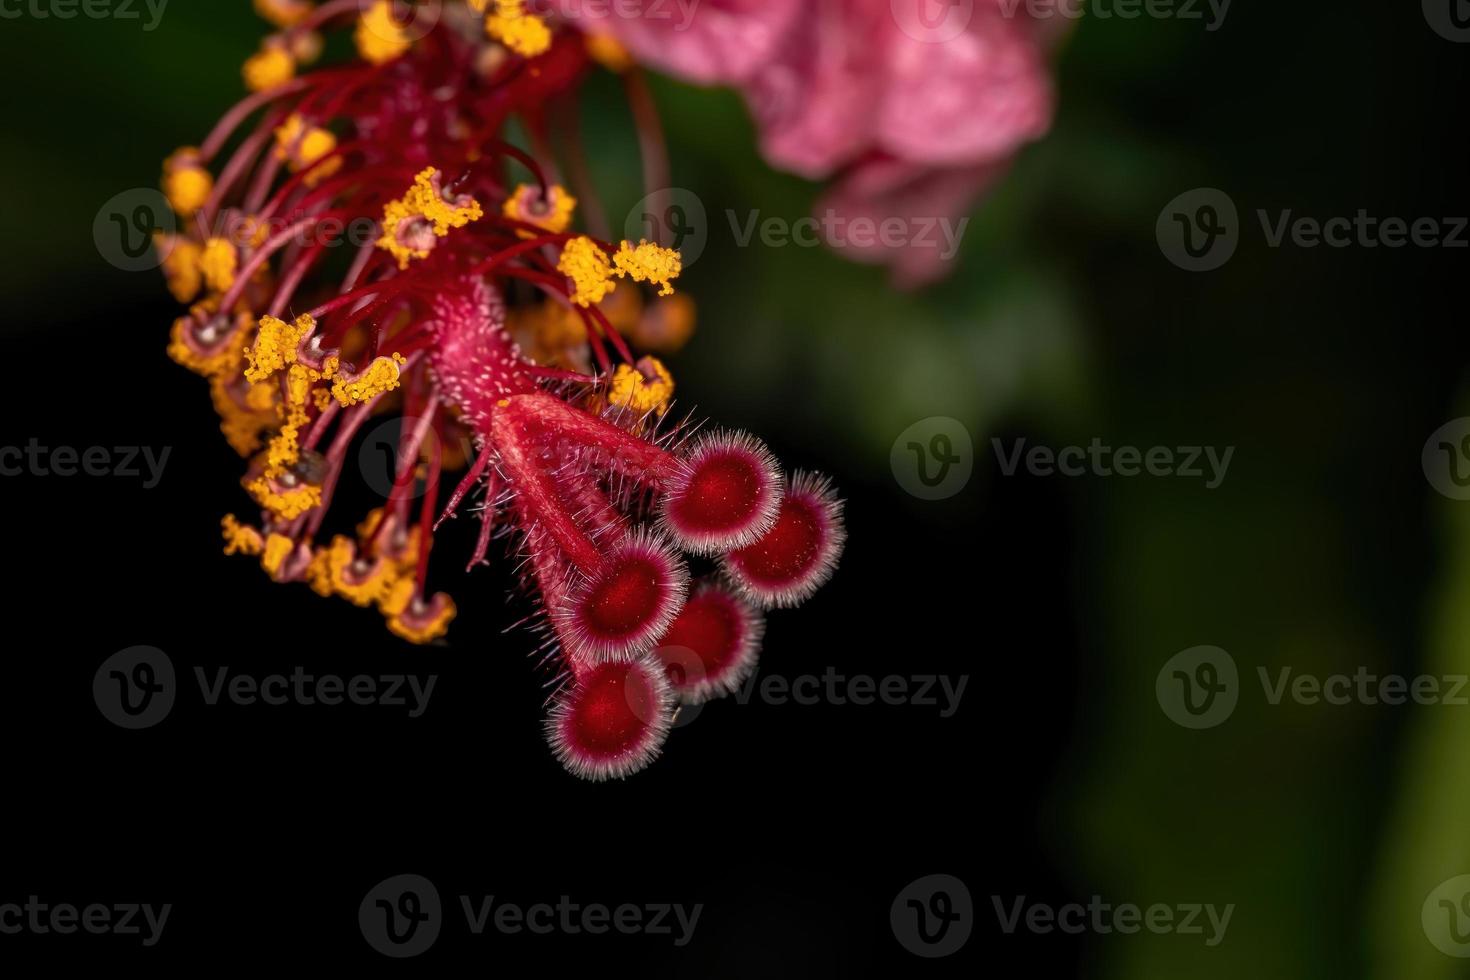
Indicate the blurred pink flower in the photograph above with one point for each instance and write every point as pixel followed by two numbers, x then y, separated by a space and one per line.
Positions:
pixel 913 106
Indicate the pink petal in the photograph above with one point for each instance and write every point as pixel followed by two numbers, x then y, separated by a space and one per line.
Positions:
pixel 972 98
pixel 708 42
pixel 926 200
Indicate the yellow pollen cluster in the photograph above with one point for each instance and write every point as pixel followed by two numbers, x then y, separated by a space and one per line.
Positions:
pixel 243 419
pixel 378 36
pixel 665 326
pixel 240 539
pixel 425 626
pixel 423 201
pixel 285 504
pixel 515 27
pixel 647 262
pixel 186 184
pixel 302 146
pixel 278 548
pixel 283 13
pixel 381 376
pixel 646 387
pixel 226 357
pixel 275 345
pixel 180 266
pixel 553 215
pixel 359 585
pixel 586 265
pixel 217 263
pixel 271 66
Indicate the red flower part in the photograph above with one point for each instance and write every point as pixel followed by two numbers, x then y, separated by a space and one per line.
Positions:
pixel 712 647
pixel 725 496
pixel 800 551
pixel 577 469
pixel 627 603
pixel 612 721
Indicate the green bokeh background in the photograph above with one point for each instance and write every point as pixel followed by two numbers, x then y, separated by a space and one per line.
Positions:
pixel 1325 549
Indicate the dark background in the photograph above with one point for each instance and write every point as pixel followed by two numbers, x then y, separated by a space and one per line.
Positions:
pixel 796 826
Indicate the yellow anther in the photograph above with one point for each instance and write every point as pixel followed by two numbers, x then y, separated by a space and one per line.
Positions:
pixel 379 37
pixel 424 622
pixel 608 51
pixel 217 263
pixel 207 354
pixel 284 13
pixel 275 345
pixel 644 387
pixel 180 265
pixel 272 65
pixel 552 214
pixel 380 376
pixel 302 146
pixel 666 325
pixel 517 28
pixel 285 504
pixel 586 265
pixel 414 221
pixel 186 183
pixel 647 262
pixel 240 539
pixel 398 596
pixel 278 548
pixel 318 573
pixel 360 582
